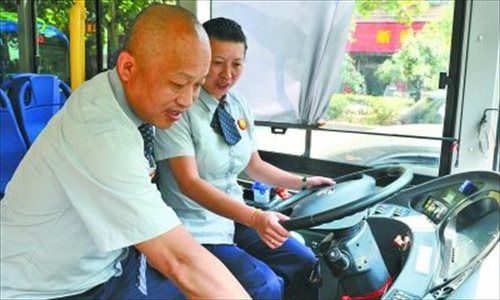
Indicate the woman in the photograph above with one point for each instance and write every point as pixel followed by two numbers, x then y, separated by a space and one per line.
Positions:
pixel 199 180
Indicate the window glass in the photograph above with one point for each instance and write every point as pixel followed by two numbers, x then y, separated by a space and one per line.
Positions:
pixel 53 37
pixel 382 79
pixel 390 78
pixel 91 68
pixel 376 150
pixel 116 18
pixel 9 42
pixel 56 56
pixel 115 23
pixel 390 73
pixel 292 142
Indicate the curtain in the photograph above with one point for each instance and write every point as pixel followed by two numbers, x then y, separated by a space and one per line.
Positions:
pixel 294 57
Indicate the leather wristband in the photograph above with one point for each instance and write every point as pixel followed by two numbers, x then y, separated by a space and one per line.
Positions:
pixel 304 183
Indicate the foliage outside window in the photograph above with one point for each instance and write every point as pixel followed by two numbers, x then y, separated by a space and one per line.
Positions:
pixel 390 85
pixel 116 20
pixel 410 73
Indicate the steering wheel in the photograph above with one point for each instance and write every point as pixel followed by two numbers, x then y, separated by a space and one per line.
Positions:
pixel 352 194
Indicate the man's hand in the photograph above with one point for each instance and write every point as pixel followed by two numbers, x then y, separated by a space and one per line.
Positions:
pixel 180 258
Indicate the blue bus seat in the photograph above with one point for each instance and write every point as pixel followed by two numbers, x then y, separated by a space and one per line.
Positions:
pixel 12 144
pixel 65 91
pixel 36 98
pixel 13 82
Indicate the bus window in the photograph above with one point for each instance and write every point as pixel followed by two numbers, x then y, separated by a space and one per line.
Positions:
pixel 9 43
pixel 54 53
pixel 389 85
pixel 364 72
pixel 53 47
pixel 110 22
pixel 10 52
pixel 117 17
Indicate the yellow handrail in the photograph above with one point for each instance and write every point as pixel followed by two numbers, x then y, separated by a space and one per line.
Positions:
pixel 77 43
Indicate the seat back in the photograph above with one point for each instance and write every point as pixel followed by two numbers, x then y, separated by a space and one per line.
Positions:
pixel 12 144
pixel 14 81
pixel 36 101
pixel 65 91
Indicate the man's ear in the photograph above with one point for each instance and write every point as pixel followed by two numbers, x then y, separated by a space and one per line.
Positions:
pixel 125 66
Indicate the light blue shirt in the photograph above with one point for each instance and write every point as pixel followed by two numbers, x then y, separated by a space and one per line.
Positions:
pixel 218 163
pixel 80 196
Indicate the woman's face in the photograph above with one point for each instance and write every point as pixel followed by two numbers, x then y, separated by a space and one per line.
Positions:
pixel 225 68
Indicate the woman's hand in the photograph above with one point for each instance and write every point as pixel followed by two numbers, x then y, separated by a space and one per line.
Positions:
pixel 318 181
pixel 267 225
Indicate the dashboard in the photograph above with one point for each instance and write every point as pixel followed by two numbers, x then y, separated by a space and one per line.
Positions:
pixel 453 224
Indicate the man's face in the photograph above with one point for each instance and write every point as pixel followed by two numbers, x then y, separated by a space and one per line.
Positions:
pixel 162 88
pixel 225 68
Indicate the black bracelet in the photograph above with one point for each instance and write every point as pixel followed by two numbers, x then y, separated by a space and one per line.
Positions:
pixel 304 183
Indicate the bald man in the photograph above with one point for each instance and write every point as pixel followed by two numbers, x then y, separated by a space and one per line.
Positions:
pixel 81 218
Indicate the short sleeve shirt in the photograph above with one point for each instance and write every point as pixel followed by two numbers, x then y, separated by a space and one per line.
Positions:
pixel 80 196
pixel 218 163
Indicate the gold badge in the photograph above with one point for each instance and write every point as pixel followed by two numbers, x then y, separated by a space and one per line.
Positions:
pixel 242 124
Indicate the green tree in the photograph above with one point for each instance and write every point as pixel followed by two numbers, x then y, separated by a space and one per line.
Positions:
pixel 49 12
pixel 118 15
pixel 403 10
pixel 352 80
pixel 423 55
pixel 55 13
pixel 8 6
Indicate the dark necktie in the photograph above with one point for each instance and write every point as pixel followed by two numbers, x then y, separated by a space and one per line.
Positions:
pixel 224 124
pixel 147 133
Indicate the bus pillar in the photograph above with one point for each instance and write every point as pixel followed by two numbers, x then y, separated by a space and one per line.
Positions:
pixel 77 43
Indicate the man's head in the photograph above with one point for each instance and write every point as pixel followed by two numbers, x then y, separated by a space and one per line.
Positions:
pixel 229 45
pixel 163 64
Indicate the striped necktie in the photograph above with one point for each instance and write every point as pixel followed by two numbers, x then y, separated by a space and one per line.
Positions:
pixel 147 133
pixel 224 125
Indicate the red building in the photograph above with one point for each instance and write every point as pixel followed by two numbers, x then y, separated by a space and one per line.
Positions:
pixel 380 36
pixel 374 41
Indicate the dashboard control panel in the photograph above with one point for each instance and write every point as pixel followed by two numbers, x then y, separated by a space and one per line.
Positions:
pixel 390 210
pixel 438 203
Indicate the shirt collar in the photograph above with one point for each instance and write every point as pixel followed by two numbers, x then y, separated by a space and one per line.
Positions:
pixel 119 93
pixel 209 101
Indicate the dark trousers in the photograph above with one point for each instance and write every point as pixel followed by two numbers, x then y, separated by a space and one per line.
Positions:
pixel 136 282
pixel 266 273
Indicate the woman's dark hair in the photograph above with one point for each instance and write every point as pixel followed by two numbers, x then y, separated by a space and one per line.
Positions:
pixel 224 29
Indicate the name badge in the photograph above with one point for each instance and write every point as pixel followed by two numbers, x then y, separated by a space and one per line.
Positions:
pixel 242 124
